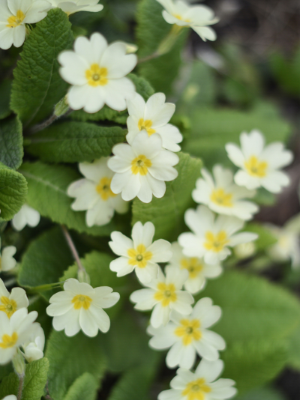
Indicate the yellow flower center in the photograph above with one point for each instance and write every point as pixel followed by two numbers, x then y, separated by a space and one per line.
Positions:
pixel 104 190
pixel 8 341
pixel 80 301
pixel 8 306
pixel 139 256
pixel 193 265
pixel 15 20
pixel 146 124
pixel 189 331
pixel 255 167
pixel 221 198
pixel 96 76
pixel 165 293
pixel 181 19
pixel 140 165
pixel 216 242
pixel 196 390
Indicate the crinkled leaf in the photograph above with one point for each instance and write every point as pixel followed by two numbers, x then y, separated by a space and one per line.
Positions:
pixel 84 388
pixel 11 142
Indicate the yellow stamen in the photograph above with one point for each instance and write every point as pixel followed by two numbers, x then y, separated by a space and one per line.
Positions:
pixel 216 242
pixel 104 190
pixel 82 300
pixel 8 306
pixel 8 341
pixel 15 20
pixel 221 198
pixel 166 293
pixel 255 167
pixel 96 76
pixel 181 19
pixel 146 124
pixel 193 265
pixel 140 165
pixel 139 256
pixel 196 390
pixel 189 331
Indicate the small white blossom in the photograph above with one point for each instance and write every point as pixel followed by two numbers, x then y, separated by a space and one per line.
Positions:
pixel 244 250
pixel 11 302
pixel 187 336
pixel 142 168
pixel 197 17
pixel 212 236
pixel 80 306
pixel 198 270
pixel 14 332
pixel 93 193
pixel 71 7
pixel 34 348
pixel 222 196
pixel 14 14
pixel 139 253
pixel 7 261
pixel 259 164
pixel 26 216
pixel 10 397
pixel 97 72
pixel 200 385
pixel 153 117
pixel 164 294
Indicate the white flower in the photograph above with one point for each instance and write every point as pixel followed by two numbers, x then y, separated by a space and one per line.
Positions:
pixel 97 72
pixel 139 254
pixel 71 7
pixel 10 397
pixel 26 216
pixel 80 306
pixel 197 17
pixel 153 117
pixel 165 295
pixel 33 349
pixel 14 332
pixel 244 250
pixel 198 270
pixel 200 385
pixel 259 164
pixel 187 336
pixel 7 261
pixel 142 168
pixel 11 302
pixel 93 193
pixel 222 195
pixel 212 237
pixel 14 14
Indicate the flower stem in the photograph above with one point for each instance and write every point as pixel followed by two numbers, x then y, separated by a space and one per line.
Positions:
pixel 48 122
pixel 73 249
pixel 21 384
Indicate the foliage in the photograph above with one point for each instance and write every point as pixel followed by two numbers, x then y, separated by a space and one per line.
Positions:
pixel 11 142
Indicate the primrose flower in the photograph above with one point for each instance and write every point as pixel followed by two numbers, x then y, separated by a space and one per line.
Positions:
pixel 212 236
pixel 80 306
pixel 93 193
pixel 198 270
pixel 97 72
pixel 7 261
pixel 197 17
pixel 10 397
pixel 200 385
pixel 142 168
pixel 34 348
pixel 71 7
pixel 187 336
pixel 153 117
pixel 222 196
pixel 14 332
pixel 14 14
pixel 11 302
pixel 259 164
pixel 139 254
pixel 164 294
pixel 26 216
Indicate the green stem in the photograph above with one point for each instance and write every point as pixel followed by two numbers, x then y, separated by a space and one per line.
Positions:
pixel 49 286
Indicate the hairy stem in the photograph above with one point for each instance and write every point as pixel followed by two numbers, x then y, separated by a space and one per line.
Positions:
pixel 21 384
pixel 48 122
pixel 73 248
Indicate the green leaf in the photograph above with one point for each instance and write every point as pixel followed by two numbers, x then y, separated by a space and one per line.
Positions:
pixel 71 142
pixel 71 357
pixel 84 388
pixel 262 394
pixel 13 191
pixel 11 142
pixel 167 213
pixel 294 350
pixel 34 384
pixel 160 72
pixel 265 236
pixel 5 88
pixel 37 86
pixel 47 186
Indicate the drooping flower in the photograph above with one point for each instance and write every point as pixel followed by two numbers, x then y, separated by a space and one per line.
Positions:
pixel 187 336
pixel 197 17
pixel 97 72
pixel 80 306
pixel 201 384
pixel 14 14
pixel 222 196
pixel 153 117
pixel 142 168
pixel 198 270
pixel 34 348
pixel 7 261
pixel 260 165
pixel 11 302
pixel 93 193
pixel 139 253
pixel 74 6
pixel 164 294
pixel 212 236
pixel 26 216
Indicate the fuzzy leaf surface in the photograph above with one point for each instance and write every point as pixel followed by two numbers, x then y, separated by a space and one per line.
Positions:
pixel 85 387
pixel 11 142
